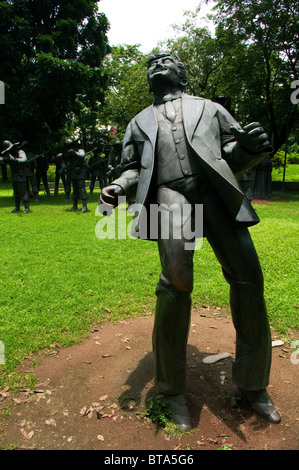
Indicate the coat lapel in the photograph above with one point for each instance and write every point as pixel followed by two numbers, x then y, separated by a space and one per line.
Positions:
pixel 147 122
pixel 192 111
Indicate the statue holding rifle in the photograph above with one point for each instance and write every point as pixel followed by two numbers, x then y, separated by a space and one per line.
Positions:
pixel 17 158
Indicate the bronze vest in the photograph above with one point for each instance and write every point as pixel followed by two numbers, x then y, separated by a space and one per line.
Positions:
pixel 174 157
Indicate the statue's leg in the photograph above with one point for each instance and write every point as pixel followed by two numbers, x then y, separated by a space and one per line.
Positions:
pixel 24 195
pixel 16 196
pixel 173 300
pixel 172 316
pixel 235 251
pixel 75 196
pixel 233 246
pixel 83 194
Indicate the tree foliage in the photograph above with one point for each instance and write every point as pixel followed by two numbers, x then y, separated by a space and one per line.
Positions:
pixel 269 31
pixel 51 54
pixel 128 90
pixel 249 63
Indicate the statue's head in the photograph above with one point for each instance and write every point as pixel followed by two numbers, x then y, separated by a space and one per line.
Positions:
pixel 6 144
pixel 164 68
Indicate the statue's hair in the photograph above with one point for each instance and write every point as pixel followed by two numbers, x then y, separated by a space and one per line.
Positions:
pixel 181 66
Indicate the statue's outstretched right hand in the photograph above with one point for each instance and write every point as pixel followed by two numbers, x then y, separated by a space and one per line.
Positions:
pixel 109 195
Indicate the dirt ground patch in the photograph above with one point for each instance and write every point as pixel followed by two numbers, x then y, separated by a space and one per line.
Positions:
pixel 91 396
pixel 267 200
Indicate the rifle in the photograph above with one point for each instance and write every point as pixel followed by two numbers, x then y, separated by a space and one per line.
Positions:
pixel 37 156
pixel 90 151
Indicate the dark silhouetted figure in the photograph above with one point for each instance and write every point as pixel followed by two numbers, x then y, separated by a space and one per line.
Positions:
pixel 17 159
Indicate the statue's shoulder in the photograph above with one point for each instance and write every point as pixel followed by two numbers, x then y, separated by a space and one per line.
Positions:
pixel 192 97
pixel 144 112
pixel 198 100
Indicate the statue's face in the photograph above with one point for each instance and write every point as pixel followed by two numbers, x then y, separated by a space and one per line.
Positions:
pixel 162 70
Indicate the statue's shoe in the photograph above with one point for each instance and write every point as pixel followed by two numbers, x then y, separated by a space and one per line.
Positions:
pixel 179 411
pixel 262 404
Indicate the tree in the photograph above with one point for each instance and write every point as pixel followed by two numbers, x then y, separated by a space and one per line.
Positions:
pixel 128 91
pixel 203 55
pixel 248 64
pixel 51 53
pixel 268 29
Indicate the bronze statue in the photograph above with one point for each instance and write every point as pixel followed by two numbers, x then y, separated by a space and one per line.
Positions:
pixel 96 169
pixel 30 168
pixel 114 167
pixel 17 158
pixel 187 150
pixel 63 171
pixel 60 173
pixel 42 167
pixel 78 171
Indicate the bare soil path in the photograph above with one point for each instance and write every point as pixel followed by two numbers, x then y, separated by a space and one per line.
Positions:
pixel 91 396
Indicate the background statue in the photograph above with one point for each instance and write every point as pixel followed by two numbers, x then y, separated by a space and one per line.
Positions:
pixel 184 151
pixel 262 183
pixel 42 166
pixel 63 168
pixel 78 172
pixel 96 168
pixel 30 167
pixel 60 174
pixel 16 158
pixel 114 167
pixel 246 181
pixel 4 173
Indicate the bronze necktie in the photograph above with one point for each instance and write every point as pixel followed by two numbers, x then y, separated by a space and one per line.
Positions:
pixel 170 111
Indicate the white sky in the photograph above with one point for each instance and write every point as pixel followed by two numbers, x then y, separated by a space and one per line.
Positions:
pixel 144 22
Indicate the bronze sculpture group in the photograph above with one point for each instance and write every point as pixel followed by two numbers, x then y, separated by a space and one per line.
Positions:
pixel 72 166
pixel 186 150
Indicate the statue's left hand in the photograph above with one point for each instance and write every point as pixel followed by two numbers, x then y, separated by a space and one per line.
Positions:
pixel 252 137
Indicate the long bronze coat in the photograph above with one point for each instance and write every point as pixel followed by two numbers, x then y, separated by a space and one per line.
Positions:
pixel 207 128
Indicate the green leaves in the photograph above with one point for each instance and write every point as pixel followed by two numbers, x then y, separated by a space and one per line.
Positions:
pixel 51 51
pixel 128 91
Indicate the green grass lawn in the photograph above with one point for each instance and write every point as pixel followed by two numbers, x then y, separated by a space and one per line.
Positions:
pixel 291 174
pixel 58 278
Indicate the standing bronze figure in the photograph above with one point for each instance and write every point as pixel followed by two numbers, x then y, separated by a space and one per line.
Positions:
pixel 78 173
pixel 186 150
pixel 17 158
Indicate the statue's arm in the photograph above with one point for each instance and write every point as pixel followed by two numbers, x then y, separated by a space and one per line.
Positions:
pixel 22 157
pixel 241 148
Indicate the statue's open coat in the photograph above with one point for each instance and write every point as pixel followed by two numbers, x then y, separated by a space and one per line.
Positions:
pixel 207 127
